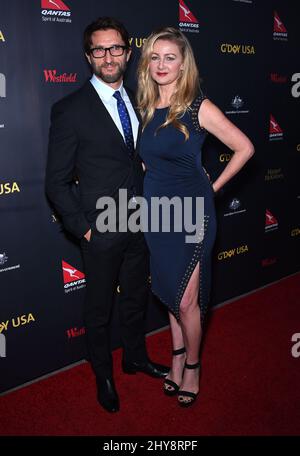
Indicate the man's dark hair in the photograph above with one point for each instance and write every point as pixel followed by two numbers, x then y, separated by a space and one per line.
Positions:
pixel 104 23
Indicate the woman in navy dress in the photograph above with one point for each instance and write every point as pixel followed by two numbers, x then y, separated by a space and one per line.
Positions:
pixel 176 117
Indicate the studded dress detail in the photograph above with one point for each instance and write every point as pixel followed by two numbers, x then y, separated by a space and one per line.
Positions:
pixel 174 169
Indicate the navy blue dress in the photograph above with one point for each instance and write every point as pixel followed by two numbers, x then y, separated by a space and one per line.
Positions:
pixel 174 169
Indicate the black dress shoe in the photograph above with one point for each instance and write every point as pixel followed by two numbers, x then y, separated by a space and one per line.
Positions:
pixel 107 394
pixel 147 367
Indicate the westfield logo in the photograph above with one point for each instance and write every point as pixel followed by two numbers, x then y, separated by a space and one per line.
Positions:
pixel 278 79
pixel 53 77
pixel 75 332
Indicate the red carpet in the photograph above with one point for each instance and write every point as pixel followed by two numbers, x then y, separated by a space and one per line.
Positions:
pixel 249 386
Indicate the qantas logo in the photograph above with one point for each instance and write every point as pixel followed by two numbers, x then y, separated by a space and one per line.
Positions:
pixel 274 127
pixel 55 11
pixel 185 15
pixel 52 76
pixel 271 222
pixel 73 278
pixel 70 273
pixel 278 25
pixel 279 31
pixel 275 132
pixel 187 20
pixel 55 5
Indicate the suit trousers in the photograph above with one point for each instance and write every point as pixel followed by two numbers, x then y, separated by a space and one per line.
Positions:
pixel 109 260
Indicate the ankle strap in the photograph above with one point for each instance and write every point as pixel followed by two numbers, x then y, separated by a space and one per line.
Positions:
pixel 192 366
pixel 179 351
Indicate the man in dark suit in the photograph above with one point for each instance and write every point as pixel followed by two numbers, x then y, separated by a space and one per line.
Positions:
pixel 93 137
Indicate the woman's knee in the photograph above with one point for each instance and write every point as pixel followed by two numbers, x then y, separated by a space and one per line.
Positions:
pixel 188 304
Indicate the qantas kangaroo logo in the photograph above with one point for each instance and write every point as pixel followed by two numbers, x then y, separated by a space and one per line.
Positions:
pixel 70 273
pixel 54 5
pixel 185 14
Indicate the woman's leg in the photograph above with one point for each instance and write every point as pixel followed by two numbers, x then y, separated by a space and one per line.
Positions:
pixel 178 361
pixel 191 331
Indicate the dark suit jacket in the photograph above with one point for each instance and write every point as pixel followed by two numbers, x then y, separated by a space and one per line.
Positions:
pixel 85 143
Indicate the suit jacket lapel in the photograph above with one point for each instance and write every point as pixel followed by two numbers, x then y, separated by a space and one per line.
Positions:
pixel 99 111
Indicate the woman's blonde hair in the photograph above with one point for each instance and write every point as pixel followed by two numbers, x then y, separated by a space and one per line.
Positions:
pixel 187 85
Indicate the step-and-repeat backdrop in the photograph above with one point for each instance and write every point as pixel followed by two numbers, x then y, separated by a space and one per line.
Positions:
pixel 248 57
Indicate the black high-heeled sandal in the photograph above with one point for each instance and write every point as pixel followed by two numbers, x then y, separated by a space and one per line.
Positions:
pixel 168 382
pixel 188 394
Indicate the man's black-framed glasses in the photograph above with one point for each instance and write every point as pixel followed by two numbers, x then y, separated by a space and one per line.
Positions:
pixel 115 51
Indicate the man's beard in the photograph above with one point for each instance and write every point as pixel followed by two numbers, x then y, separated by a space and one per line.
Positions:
pixel 113 77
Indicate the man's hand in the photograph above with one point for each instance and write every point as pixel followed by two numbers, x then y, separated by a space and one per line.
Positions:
pixel 88 235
